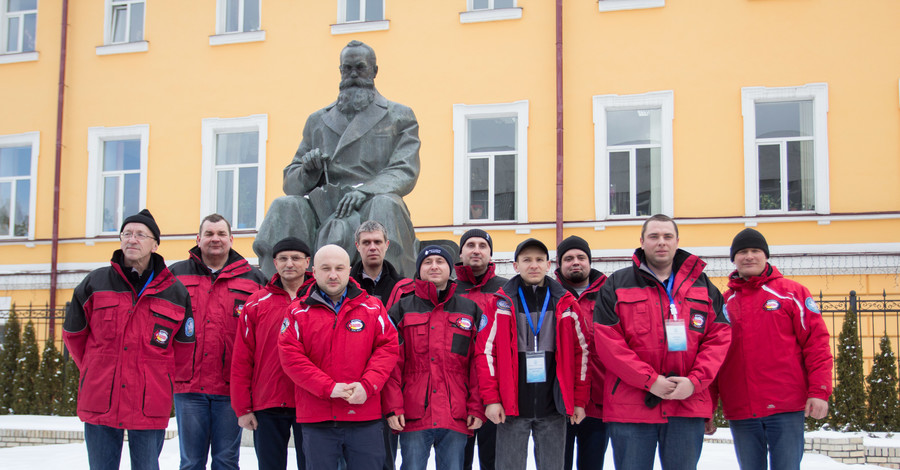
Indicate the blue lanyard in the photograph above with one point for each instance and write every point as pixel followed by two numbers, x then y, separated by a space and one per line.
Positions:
pixel 672 307
pixel 147 283
pixel 528 314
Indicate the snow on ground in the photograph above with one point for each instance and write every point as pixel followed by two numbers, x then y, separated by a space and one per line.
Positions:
pixel 74 456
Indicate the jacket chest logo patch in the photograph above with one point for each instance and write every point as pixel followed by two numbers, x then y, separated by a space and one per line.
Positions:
pixel 483 323
pixel 189 327
pixel 356 325
pixel 772 304
pixel 238 307
pixel 161 336
pixel 697 321
pixel 463 324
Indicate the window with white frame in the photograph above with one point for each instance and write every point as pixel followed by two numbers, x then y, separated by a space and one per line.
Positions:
pixel 490 156
pixel 233 175
pixel 616 5
pixel 117 176
pixel 633 155
pixel 490 4
pixel 352 11
pixel 785 149
pixel 18 169
pixel 238 16
pixel 125 21
pixel 19 25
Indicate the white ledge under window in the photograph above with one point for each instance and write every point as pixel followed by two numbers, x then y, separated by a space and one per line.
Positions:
pixel 616 5
pixel 124 48
pixel 237 38
pixel 18 57
pixel 360 27
pixel 495 14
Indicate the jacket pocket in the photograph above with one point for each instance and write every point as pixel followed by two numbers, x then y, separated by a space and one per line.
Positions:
pixel 105 315
pixel 414 328
pixel 95 391
pixel 415 396
pixel 157 401
pixel 226 362
pixel 636 309
pixel 458 393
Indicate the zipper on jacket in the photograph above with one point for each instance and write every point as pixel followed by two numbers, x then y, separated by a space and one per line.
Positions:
pixel 615 386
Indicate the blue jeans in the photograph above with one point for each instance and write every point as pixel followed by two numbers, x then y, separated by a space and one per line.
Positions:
pixel 207 422
pixel 361 445
pixel 271 437
pixel 104 447
pixel 634 444
pixel 592 442
pixel 449 449
pixel 780 435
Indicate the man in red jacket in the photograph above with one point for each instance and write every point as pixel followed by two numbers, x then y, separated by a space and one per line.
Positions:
pixel 532 359
pixel 219 281
pixel 476 280
pixel 778 368
pixel 573 256
pixel 661 334
pixel 262 395
pixel 432 397
pixel 339 347
pixel 130 331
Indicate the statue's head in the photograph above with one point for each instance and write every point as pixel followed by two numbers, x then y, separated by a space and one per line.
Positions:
pixel 358 67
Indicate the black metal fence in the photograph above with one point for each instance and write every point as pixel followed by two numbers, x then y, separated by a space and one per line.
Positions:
pixel 877 315
pixel 45 320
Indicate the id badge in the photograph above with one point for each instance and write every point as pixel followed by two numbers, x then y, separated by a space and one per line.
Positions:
pixel 535 370
pixel 676 335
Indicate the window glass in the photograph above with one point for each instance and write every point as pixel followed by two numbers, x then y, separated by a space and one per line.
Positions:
pixel 619 183
pixel 136 32
pixel 246 216
pixel 232 13
pixel 633 127
pixel 12 34
pixel 479 188
pixel 784 119
pixel 505 187
pixel 122 155
pixel 647 175
pixel 15 161
pixel 5 212
pixel 225 193
pixel 492 134
pixel 29 33
pixel 23 193
pixel 237 147
pixel 801 176
pixel 352 10
pixel 21 5
pixel 374 10
pixel 110 203
pixel 251 15
pixel 480 4
pixel 504 3
pixel 769 177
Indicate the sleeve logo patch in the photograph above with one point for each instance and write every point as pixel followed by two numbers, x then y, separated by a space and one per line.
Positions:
pixel 284 324
pixel 483 323
pixel 811 305
pixel 161 336
pixel 725 313
pixel 772 304
pixel 697 320
pixel 189 327
pixel 355 325
pixel 503 304
pixel 463 324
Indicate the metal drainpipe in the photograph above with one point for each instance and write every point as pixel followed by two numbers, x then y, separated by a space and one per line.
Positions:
pixel 54 243
pixel 559 125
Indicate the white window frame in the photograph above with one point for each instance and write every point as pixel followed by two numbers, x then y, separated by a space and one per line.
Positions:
pixel 109 47
pixel 223 37
pixel 32 139
pixel 818 93
pixel 461 180
pixel 618 5
pixel 662 100
pixel 4 21
pixel 211 127
pixel 346 27
pixel 490 13
pixel 96 137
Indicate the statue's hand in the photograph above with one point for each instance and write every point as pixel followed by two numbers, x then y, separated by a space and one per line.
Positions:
pixel 349 203
pixel 313 161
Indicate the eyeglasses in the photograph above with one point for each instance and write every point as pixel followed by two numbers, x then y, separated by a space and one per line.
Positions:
pixel 139 236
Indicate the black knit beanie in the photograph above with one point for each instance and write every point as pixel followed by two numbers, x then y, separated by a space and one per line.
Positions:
pixel 749 238
pixel 146 218
pixel 529 243
pixel 572 243
pixel 291 244
pixel 433 250
pixel 477 233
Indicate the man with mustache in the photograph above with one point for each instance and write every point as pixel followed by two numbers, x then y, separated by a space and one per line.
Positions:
pixel 360 154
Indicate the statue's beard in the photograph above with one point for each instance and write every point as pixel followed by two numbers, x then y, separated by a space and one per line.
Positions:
pixel 356 95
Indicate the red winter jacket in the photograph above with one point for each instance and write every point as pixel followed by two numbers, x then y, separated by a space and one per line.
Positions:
pixel 497 354
pixel 257 379
pixel 596 371
pixel 468 286
pixel 320 348
pixel 217 301
pixel 780 353
pixel 435 385
pixel 129 346
pixel 629 324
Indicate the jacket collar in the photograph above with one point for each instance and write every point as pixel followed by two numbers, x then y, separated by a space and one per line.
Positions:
pixel 736 282
pixel 465 274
